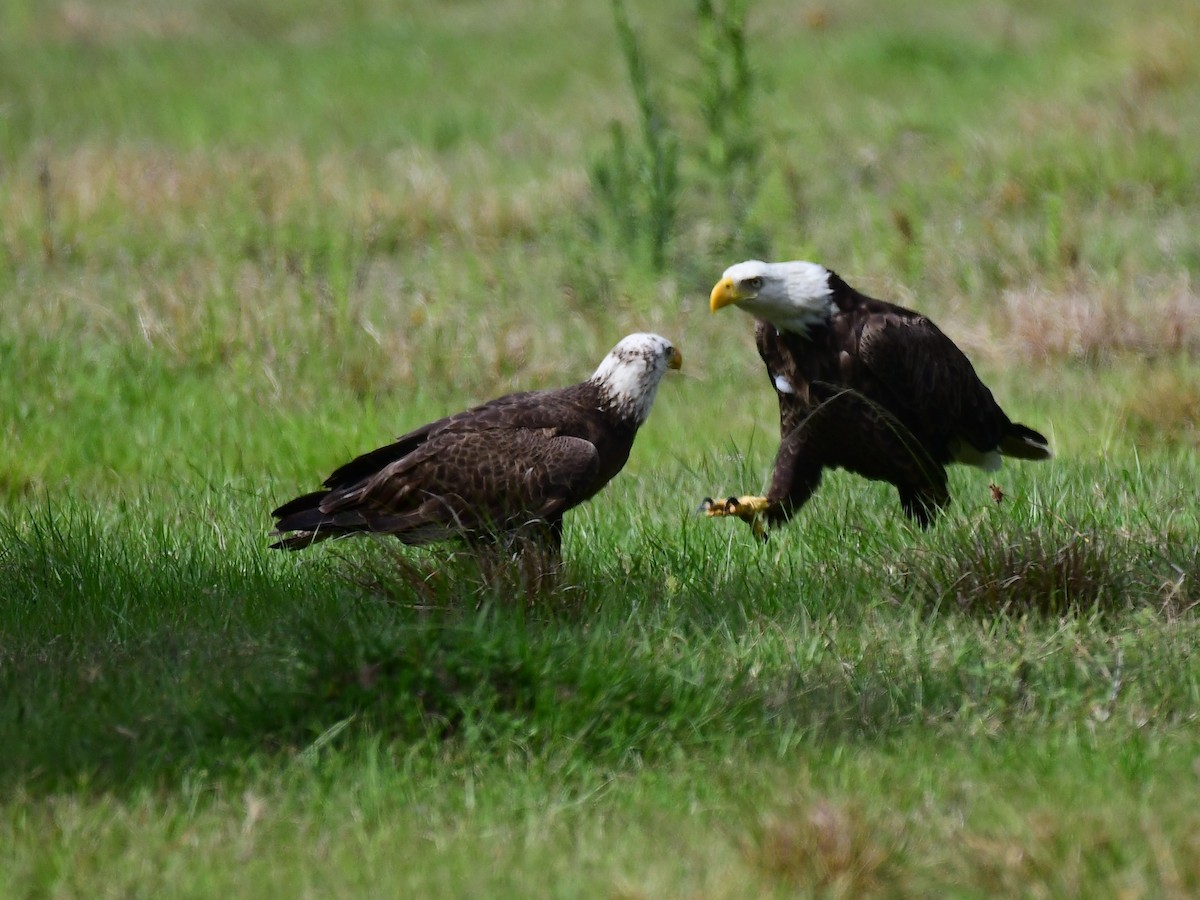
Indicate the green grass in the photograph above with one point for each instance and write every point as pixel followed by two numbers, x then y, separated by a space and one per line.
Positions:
pixel 244 241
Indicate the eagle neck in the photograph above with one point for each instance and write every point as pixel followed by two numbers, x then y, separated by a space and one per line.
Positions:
pixel 840 298
pixel 628 406
pixel 805 323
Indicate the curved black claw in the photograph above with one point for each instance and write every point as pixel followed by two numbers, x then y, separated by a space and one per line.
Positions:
pixel 759 529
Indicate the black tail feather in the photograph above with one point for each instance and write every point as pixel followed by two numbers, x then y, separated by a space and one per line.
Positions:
pixel 302 503
pixel 301 539
pixel 304 517
pixel 1023 442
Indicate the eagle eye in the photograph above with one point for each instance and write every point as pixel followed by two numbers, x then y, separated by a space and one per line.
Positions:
pixel 756 282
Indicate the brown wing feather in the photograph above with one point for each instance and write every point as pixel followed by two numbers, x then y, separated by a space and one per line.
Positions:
pixel 527 408
pixel 476 478
pixel 929 383
pixel 522 457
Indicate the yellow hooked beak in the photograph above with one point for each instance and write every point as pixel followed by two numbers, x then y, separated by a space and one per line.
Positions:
pixel 676 360
pixel 724 294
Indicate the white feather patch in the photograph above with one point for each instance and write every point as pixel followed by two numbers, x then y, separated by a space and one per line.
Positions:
pixel 783 385
pixel 794 296
pixel 630 374
pixel 988 460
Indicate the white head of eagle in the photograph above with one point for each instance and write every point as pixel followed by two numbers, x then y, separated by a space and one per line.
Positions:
pixel 792 296
pixel 628 377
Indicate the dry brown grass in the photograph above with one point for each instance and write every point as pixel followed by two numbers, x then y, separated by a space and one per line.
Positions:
pixel 1054 570
pixel 407 197
pixel 81 22
pixel 1094 321
pixel 1165 410
pixel 1163 52
pixel 1047 857
pixel 824 847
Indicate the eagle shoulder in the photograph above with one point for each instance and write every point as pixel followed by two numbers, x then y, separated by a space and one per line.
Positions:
pixel 784 363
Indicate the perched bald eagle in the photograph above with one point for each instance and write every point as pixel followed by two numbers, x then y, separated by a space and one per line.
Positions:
pixel 865 386
pixel 511 466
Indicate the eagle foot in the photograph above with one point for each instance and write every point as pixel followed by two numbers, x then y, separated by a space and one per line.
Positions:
pixel 749 509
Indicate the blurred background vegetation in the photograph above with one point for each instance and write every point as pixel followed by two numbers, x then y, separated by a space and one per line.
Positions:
pixel 301 206
pixel 241 240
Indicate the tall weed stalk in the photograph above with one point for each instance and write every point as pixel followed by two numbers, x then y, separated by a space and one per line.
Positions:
pixel 641 177
pixel 732 148
pixel 638 183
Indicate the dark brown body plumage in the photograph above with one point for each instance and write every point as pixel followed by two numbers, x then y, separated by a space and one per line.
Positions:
pixel 511 465
pixel 880 391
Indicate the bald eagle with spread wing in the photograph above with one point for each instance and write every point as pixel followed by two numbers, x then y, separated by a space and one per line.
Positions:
pixel 511 466
pixel 863 385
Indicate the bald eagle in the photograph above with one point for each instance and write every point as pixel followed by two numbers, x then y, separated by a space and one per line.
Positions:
pixel 511 466
pixel 863 385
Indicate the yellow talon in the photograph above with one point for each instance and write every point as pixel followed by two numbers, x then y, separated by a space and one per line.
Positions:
pixel 749 509
pixel 751 506
pixel 742 507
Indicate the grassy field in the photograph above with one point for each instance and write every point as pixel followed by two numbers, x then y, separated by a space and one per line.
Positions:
pixel 242 241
